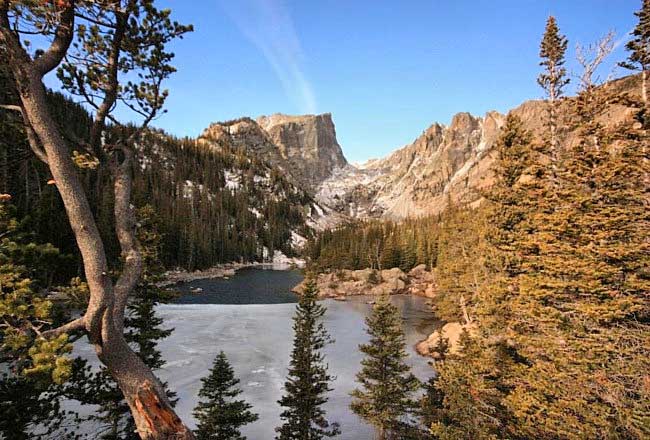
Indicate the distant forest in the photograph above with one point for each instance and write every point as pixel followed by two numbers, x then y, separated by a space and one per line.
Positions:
pixel 203 219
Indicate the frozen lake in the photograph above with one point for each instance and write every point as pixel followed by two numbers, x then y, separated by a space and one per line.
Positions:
pixel 257 339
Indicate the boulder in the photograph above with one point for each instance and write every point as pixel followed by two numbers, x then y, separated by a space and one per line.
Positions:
pixel 418 271
pixel 450 331
pixel 358 282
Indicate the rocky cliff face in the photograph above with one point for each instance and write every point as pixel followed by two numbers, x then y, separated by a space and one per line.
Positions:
pixel 304 147
pixel 444 163
pixel 419 178
pixel 308 145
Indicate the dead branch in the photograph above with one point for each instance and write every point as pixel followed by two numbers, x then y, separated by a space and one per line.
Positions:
pixel 71 327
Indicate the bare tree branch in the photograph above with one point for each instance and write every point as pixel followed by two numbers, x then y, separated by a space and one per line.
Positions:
pixel 591 57
pixel 15 108
pixel 71 327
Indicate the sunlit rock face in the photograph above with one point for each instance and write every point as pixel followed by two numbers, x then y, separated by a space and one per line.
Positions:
pixel 444 164
pixel 308 144
pixel 303 147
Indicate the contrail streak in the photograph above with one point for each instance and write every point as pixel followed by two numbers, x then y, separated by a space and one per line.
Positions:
pixel 268 25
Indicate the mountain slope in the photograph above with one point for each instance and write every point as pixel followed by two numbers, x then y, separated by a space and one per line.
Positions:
pixel 444 163
pixel 214 202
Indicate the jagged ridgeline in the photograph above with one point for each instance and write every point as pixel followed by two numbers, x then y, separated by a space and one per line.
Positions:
pixel 215 202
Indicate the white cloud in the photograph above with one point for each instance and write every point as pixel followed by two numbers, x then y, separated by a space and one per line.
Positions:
pixel 268 25
pixel 623 40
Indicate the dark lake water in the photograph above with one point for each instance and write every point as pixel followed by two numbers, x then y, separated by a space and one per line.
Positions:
pixel 248 286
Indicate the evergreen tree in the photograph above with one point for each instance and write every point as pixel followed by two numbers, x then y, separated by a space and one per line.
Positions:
pixel 219 415
pixel 586 280
pixel 460 266
pixel 639 48
pixel 390 255
pixel 385 398
pixel 144 331
pixel 32 380
pixel 553 79
pixel 308 380
pixel 471 386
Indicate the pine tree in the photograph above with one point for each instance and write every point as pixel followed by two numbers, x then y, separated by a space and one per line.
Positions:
pixel 472 385
pixel 390 253
pixel 587 283
pixel 219 415
pixel 385 398
pixel 32 382
pixel 460 269
pixel 553 79
pixel 308 380
pixel 144 331
pixel 639 48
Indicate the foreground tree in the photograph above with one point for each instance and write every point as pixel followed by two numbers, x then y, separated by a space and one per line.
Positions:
pixel 553 79
pixel 219 415
pixel 460 269
pixel 30 404
pixel 639 48
pixel 308 381
pixel 467 399
pixel 561 349
pixel 385 399
pixel 143 332
pixel 113 39
pixel 586 361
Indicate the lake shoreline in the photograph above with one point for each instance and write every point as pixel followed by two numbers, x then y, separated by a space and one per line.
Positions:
pixel 227 270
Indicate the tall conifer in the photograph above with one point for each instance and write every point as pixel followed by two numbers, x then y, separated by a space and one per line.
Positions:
pixel 308 381
pixel 553 79
pixel 472 384
pixel 639 48
pixel 385 398
pixel 219 415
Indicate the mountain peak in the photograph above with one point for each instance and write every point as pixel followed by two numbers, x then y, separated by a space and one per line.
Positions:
pixel 303 146
pixel 308 143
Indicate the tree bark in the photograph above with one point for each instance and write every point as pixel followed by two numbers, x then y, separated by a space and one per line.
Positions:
pixel 104 317
pixel 644 88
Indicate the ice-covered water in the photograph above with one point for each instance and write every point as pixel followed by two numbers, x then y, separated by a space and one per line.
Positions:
pixel 257 339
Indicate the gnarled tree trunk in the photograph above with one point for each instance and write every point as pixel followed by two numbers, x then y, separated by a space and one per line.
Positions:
pixel 104 318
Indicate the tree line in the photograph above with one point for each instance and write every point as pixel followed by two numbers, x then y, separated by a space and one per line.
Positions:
pixel 203 220
pixel 376 244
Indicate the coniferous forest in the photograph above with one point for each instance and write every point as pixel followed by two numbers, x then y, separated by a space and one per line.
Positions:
pixel 544 266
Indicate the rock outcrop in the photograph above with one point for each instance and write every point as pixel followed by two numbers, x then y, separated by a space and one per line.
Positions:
pixel 304 147
pixel 393 281
pixel 308 145
pixel 444 163
pixel 451 332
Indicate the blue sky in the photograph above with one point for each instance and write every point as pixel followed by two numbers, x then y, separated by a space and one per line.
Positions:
pixel 385 69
